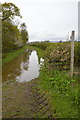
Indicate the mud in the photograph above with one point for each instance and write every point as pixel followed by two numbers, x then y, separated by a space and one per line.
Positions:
pixel 24 100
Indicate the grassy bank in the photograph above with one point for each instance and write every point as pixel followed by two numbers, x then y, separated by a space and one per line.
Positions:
pixel 12 55
pixel 60 87
pixel 41 52
pixel 63 92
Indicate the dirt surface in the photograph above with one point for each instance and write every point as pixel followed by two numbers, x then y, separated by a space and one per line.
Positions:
pixel 24 100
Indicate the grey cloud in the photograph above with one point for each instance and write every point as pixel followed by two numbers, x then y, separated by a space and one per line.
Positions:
pixel 45 36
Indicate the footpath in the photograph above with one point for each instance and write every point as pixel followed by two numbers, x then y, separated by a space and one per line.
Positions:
pixel 24 100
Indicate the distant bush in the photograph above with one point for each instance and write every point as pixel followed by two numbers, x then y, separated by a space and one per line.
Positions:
pixel 61 53
pixel 58 56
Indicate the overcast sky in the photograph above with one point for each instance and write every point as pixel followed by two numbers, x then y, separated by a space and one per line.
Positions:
pixel 48 19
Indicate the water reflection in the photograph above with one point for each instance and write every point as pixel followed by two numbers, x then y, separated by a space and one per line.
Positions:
pixel 12 69
pixel 33 69
pixel 41 62
pixel 24 68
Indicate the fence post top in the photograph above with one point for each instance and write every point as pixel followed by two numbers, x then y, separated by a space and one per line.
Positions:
pixel 73 31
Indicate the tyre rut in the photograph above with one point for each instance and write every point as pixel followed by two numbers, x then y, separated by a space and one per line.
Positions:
pixel 41 103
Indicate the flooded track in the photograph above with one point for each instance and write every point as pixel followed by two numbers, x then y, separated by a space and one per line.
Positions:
pixel 22 69
pixel 21 96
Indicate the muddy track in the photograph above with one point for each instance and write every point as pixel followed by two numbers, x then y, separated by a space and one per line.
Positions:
pixel 41 104
pixel 24 100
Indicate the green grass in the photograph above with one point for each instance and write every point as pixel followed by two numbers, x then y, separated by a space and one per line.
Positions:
pixel 60 87
pixel 40 52
pixel 12 55
pixel 49 47
pixel 64 104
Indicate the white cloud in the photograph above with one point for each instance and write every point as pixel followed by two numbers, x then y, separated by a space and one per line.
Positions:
pixel 48 19
pixel 45 36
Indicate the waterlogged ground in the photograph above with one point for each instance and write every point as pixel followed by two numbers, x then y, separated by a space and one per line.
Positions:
pixel 23 68
pixel 21 95
pixel 17 100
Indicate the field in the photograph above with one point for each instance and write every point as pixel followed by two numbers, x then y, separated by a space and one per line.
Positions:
pixel 55 78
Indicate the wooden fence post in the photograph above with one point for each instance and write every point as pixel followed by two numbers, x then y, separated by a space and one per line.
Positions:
pixel 72 54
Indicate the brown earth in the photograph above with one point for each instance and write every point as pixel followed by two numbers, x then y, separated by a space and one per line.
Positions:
pixel 24 100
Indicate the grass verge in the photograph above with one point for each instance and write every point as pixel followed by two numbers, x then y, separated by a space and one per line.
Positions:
pixel 12 55
pixel 64 102
pixel 40 52
pixel 60 87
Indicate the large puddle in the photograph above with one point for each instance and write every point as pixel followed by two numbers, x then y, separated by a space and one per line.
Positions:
pixel 23 68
